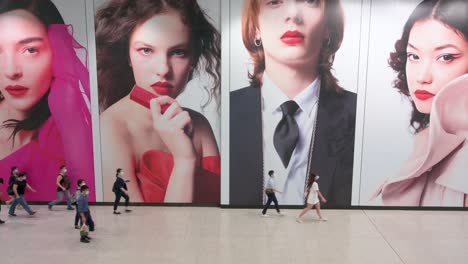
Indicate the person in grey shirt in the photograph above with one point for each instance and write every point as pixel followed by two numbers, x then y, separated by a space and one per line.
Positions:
pixel 270 191
pixel 85 214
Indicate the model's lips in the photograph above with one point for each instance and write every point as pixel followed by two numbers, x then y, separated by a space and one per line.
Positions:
pixel 16 90
pixel 423 94
pixel 162 88
pixel 292 37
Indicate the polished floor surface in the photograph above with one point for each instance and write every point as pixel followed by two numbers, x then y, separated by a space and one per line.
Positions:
pixel 212 235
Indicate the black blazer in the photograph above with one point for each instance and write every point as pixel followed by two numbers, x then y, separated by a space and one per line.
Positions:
pixel 332 157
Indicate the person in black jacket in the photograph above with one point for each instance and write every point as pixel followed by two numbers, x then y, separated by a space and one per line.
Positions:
pixel 294 117
pixel 19 188
pixel 120 190
pixel 13 174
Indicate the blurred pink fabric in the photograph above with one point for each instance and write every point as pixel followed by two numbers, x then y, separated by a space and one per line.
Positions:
pixel 436 174
pixel 66 137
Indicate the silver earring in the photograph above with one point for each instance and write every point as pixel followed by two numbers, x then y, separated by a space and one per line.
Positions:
pixel 258 42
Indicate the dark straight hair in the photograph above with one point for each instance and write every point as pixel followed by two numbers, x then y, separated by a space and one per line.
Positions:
pixel 48 14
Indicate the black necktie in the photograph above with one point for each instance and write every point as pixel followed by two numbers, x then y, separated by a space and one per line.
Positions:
pixel 287 132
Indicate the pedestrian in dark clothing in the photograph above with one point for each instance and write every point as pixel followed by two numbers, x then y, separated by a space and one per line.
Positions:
pixel 120 190
pixel 63 187
pixel 19 188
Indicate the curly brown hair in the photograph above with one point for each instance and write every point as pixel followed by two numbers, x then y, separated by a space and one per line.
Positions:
pixel 334 23
pixel 453 14
pixel 114 24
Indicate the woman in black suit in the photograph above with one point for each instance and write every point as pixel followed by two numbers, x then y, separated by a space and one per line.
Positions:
pixel 294 116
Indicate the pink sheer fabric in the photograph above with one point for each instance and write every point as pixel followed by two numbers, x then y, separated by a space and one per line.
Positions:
pixel 66 137
pixel 436 172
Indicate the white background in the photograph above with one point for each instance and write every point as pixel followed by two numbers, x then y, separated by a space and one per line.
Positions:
pixel 387 138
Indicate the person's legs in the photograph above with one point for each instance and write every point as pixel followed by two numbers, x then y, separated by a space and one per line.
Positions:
pixel 69 203
pixel 78 218
pixel 275 201
pixel 268 203
pixel 127 199
pixel 25 205
pixel 13 207
pixel 319 214
pixel 127 202
pixel 58 200
pixel 305 210
pixel 118 195
pixel 89 221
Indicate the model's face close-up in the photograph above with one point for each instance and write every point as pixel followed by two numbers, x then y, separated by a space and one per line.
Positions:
pixel 291 31
pixel 161 55
pixel 436 54
pixel 25 59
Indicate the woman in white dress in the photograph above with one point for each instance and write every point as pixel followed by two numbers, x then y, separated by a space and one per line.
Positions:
pixel 312 196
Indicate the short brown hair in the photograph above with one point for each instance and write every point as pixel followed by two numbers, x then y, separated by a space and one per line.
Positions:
pixel 334 23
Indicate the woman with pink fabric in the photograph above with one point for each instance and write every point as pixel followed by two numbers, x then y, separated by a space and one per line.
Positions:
pixel 431 60
pixel 45 121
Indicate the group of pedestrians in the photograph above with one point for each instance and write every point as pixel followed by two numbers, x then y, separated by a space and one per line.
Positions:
pixel 311 196
pixel 83 221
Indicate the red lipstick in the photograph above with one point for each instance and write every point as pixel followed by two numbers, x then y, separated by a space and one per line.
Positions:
pixel 292 37
pixel 423 95
pixel 16 90
pixel 162 88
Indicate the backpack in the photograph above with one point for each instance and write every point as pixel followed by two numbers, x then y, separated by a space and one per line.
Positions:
pixel 10 190
pixel 114 187
pixel 75 197
pixel 66 182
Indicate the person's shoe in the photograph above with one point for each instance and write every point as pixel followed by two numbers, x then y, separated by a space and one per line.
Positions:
pixel 117 213
pixel 324 219
pixel 299 220
pixel 49 206
pixel 281 213
pixel 70 208
pixel 2 222
pixel 88 238
pixel 84 240
pixel 128 210
pixel 12 215
pixel 77 227
pixel 265 215
pixel 91 229
pixel 32 213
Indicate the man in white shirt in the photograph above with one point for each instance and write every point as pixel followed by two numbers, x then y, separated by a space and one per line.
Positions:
pixel 270 191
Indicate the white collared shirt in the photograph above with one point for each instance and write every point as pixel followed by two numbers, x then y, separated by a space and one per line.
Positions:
pixel 290 180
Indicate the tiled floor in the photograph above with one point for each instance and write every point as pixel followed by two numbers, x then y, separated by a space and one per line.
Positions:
pixel 210 235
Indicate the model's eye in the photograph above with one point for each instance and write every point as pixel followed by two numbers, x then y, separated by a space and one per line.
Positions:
pixel 412 57
pixel 447 57
pixel 31 50
pixel 180 53
pixel 145 51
